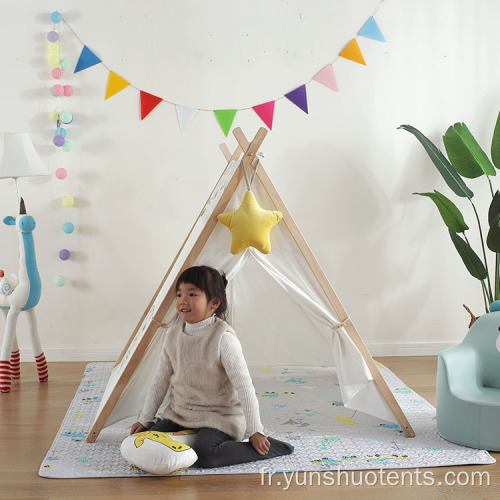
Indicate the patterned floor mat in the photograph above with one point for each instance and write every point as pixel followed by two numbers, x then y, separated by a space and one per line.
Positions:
pixel 300 405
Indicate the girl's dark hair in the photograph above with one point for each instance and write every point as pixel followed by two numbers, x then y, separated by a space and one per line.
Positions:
pixel 210 281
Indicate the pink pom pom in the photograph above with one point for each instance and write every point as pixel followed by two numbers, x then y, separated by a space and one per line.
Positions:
pixel 61 173
pixel 68 90
pixel 58 90
pixel 57 73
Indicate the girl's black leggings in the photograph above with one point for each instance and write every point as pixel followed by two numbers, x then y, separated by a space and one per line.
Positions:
pixel 217 449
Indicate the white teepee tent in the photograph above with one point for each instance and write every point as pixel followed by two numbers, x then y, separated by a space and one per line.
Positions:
pixel 276 300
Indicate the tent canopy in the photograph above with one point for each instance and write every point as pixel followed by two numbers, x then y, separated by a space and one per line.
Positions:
pixel 280 304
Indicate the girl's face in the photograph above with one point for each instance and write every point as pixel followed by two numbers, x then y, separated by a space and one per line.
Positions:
pixel 192 304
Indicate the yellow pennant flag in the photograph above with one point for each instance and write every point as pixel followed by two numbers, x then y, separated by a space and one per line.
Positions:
pixel 115 84
pixel 353 52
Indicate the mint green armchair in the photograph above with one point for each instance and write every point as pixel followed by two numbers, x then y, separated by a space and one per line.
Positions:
pixel 468 387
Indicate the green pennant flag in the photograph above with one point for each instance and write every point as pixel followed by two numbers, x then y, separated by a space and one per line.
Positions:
pixel 225 117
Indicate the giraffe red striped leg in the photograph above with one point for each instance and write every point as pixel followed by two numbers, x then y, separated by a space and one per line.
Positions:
pixel 43 370
pixel 15 364
pixel 5 376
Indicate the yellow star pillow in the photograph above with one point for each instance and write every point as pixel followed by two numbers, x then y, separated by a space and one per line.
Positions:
pixel 250 225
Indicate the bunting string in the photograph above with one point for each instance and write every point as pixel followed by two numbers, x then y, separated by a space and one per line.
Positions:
pixel 225 117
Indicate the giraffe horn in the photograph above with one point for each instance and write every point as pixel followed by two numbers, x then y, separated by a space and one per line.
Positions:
pixel 22 207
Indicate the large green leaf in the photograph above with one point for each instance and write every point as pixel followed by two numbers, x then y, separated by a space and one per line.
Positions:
pixel 495 144
pixel 493 238
pixel 450 213
pixel 465 154
pixel 494 209
pixel 472 262
pixel 446 169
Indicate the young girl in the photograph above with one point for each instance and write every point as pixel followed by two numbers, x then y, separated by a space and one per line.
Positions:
pixel 210 387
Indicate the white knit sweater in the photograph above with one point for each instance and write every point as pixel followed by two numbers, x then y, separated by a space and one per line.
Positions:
pixel 234 364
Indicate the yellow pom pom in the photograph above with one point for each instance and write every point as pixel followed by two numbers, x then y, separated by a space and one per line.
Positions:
pixel 54 48
pixel 68 201
pixel 54 115
pixel 54 60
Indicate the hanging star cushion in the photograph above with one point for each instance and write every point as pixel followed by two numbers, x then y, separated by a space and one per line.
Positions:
pixel 250 225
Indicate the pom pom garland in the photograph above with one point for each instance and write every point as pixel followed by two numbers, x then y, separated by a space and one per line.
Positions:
pixel 60 117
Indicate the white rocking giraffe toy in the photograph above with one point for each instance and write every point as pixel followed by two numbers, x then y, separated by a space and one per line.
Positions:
pixel 18 294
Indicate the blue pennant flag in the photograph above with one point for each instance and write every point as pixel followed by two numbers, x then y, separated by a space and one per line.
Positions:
pixel 371 30
pixel 86 60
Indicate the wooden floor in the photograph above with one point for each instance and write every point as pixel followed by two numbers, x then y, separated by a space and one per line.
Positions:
pixel 31 414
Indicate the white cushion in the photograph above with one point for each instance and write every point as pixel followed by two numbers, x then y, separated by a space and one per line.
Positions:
pixel 160 452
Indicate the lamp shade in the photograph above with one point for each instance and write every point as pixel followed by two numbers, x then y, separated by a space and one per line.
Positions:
pixel 18 156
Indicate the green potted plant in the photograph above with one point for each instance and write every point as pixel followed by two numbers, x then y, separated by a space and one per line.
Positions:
pixel 466 159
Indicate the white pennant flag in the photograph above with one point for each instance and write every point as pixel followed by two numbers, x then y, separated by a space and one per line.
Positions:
pixel 185 114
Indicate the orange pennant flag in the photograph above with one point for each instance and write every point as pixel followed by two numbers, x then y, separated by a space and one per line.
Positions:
pixel 353 52
pixel 115 84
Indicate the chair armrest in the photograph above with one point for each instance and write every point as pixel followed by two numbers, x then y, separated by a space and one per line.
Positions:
pixel 462 369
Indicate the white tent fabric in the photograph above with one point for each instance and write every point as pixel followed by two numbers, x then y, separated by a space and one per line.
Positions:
pixel 289 270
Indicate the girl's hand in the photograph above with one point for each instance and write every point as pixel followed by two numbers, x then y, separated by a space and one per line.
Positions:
pixel 260 443
pixel 137 427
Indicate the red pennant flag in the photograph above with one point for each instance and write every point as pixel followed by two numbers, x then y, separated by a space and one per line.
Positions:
pixel 148 103
pixel 266 113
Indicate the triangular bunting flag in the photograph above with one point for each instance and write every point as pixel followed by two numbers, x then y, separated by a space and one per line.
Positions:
pixel 115 84
pixel 225 117
pixel 148 103
pixel 86 60
pixel 299 97
pixel 353 52
pixel 266 113
pixel 327 77
pixel 371 30
pixel 185 114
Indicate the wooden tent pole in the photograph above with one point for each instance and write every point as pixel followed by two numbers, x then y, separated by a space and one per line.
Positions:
pixel 151 330
pixel 329 292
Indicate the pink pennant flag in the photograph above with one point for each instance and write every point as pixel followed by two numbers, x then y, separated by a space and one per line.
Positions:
pixel 327 77
pixel 266 113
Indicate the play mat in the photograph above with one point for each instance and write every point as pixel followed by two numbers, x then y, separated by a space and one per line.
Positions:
pixel 298 404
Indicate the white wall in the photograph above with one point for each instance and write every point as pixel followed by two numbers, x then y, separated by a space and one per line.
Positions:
pixel 345 171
